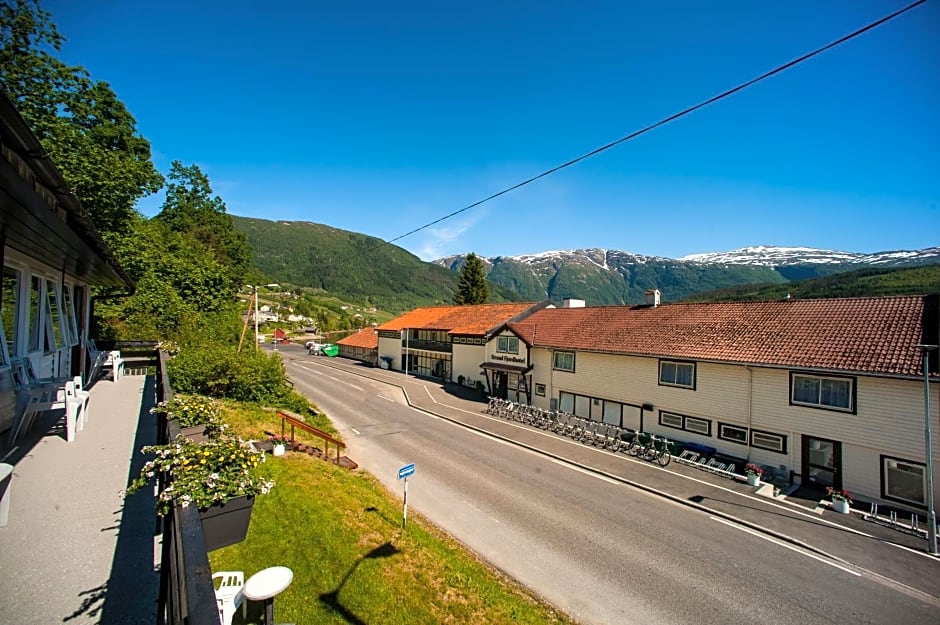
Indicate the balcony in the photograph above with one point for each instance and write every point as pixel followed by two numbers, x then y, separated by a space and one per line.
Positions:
pixel 74 550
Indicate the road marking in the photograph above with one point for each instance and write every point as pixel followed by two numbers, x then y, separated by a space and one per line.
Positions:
pixel 793 548
pixel 355 431
pixel 386 398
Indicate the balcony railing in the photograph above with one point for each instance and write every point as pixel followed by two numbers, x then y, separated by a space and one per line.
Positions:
pixel 187 596
pixel 429 346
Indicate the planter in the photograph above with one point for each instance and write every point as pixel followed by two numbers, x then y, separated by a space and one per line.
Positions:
pixel 278 450
pixel 840 505
pixel 195 433
pixel 753 479
pixel 226 523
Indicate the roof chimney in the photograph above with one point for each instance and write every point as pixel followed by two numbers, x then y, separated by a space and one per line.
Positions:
pixel 652 298
pixel 570 302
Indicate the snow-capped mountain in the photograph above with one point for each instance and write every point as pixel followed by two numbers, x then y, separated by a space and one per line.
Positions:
pixel 772 256
pixel 603 276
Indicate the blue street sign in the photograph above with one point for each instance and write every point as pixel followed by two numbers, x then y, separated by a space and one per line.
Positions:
pixel 406 470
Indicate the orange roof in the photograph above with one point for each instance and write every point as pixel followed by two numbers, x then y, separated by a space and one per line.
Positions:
pixel 367 338
pixel 475 319
pixel 873 335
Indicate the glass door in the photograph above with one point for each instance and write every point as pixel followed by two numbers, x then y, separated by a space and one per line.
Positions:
pixel 822 462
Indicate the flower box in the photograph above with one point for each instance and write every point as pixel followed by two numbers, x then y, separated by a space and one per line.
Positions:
pixel 225 524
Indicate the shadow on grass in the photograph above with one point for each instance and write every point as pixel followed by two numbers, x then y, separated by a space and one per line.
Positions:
pixel 381 515
pixel 332 600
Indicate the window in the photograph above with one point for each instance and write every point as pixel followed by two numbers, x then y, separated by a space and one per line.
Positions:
pixel 564 361
pixel 769 441
pixel 732 433
pixel 35 304
pixel 566 402
pixel 53 319
pixel 11 280
pixel 540 390
pixel 699 426
pixel 672 373
pixel 70 315
pixel 824 392
pixel 507 344
pixel 689 424
pixel 903 480
pixel 670 420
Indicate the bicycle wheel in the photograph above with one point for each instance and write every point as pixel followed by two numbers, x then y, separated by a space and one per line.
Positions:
pixel 664 457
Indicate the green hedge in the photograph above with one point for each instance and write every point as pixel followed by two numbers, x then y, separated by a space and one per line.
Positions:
pixel 222 371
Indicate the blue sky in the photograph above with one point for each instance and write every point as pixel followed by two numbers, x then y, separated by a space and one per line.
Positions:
pixel 379 117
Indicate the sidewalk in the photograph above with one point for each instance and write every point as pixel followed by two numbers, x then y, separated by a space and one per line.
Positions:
pixel 74 551
pixel 804 523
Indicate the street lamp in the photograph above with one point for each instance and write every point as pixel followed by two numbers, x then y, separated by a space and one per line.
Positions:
pixel 931 514
pixel 255 289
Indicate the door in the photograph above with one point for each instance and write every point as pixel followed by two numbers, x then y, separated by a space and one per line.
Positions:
pixel 822 463
pixel 500 384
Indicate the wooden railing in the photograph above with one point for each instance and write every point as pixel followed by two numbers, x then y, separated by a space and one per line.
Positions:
pixel 187 596
pixel 294 420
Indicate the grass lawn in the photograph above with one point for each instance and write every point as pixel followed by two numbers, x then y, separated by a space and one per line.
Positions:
pixel 340 532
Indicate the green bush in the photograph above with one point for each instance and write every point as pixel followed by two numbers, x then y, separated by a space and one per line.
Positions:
pixel 222 371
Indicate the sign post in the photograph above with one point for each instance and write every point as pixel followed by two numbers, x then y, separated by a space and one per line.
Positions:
pixel 403 473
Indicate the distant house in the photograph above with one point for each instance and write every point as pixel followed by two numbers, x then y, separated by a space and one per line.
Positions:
pixel 826 392
pixel 446 342
pixel 362 346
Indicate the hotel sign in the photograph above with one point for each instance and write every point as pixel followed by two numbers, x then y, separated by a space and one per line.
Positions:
pixel 503 358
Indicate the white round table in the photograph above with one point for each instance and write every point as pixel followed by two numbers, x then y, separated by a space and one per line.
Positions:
pixel 265 585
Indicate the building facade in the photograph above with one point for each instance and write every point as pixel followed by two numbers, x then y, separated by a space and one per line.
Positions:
pixel 827 392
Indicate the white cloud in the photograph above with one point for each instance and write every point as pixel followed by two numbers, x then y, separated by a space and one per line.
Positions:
pixel 445 238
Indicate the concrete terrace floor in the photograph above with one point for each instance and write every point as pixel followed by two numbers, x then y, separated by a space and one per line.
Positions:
pixel 74 551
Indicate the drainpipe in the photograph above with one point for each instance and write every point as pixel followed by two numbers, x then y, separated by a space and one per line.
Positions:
pixel 750 395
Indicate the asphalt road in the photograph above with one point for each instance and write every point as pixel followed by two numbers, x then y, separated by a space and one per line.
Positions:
pixel 596 548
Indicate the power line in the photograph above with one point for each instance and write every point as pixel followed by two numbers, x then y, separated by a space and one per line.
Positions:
pixel 662 122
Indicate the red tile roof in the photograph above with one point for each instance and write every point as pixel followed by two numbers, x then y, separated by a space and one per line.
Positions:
pixel 477 319
pixel 872 335
pixel 367 338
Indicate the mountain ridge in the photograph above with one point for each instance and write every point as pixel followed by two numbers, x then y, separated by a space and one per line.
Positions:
pixel 606 276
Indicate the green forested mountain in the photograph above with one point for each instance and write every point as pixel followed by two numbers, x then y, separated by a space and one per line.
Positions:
pixel 353 266
pixel 867 282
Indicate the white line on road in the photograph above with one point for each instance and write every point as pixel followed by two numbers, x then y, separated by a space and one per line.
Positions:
pixel 355 431
pixel 783 544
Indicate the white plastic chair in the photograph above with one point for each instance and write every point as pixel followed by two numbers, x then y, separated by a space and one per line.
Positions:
pixel 82 396
pixel 116 362
pixel 65 399
pixel 229 594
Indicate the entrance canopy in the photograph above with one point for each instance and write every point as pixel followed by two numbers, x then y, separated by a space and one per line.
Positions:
pixel 500 366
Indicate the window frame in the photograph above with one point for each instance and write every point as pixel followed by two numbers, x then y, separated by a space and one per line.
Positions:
pixel 677 363
pixel 507 348
pixel 684 423
pixel 723 437
pixel 782 437
pixel 852 395
pixel 540 389
pixel 556 354
pixel 885 485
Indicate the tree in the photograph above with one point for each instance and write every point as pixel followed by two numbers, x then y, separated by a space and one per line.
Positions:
pixel 191 210
pixel 473 287
pixel 85 128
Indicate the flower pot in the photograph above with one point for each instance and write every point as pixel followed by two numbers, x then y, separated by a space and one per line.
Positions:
pixel 278 450
pixel 226 523
pixel 195 433
pixel 840 505
pixel 753 479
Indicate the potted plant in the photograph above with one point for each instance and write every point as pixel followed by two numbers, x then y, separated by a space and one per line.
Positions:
pixel 841 499
pixel 281 443
pixel 753 473
pixel 199 417
pixel 220 477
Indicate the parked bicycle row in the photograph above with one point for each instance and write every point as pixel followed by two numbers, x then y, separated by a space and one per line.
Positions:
pixel 640 444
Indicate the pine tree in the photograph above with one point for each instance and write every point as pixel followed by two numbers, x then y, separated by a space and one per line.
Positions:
pixel 473 287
